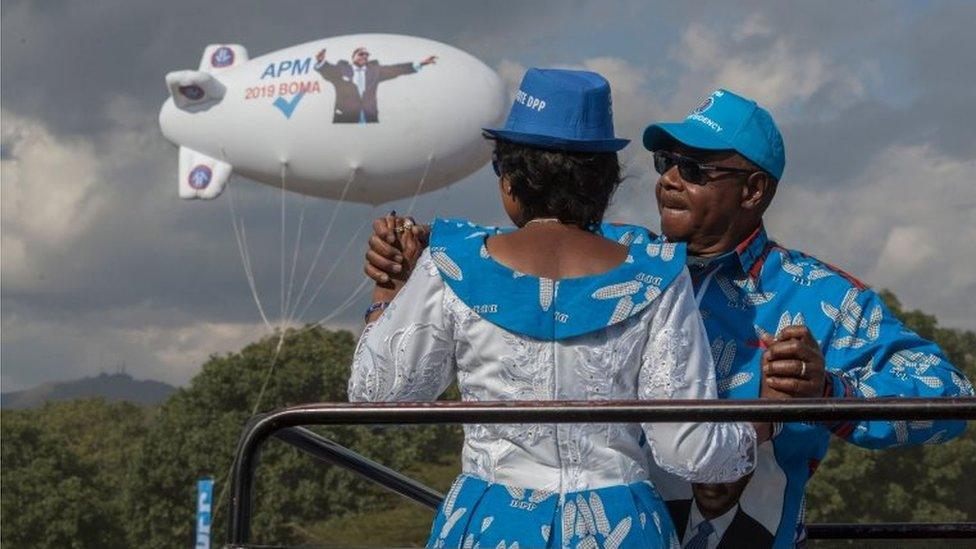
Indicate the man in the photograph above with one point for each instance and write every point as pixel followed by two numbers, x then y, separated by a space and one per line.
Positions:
pixel 782 323
pixel 714 512
pixel 356 84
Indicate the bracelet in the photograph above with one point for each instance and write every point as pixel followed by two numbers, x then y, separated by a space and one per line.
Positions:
pixel 378 306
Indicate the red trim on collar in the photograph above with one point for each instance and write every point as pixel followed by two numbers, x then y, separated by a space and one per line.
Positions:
pixel 741 248
pixel 757 265
pixel 752 252
pixel 840 272
pixel 752 260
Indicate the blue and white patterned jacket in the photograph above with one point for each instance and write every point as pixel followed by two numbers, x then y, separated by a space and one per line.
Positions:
pixel 762 287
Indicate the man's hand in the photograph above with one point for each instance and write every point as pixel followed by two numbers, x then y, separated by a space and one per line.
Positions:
pixel 320 56
pixel 394 248
pixel 430 60
pixel 792 365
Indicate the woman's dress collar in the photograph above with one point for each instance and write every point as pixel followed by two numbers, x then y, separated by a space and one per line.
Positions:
pixel 547 309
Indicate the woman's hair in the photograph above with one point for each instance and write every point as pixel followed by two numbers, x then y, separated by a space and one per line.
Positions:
pixel 574 187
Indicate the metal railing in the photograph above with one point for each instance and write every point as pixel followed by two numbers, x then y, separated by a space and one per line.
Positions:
pixel 286 423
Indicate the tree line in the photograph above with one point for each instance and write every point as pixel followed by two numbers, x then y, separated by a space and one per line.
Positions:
pixel 91 473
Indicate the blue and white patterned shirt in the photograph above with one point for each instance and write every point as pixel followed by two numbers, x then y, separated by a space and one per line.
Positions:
pixel 632 332
pixel 762 287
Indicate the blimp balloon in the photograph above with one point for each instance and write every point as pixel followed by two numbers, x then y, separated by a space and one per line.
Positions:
pixel 372 117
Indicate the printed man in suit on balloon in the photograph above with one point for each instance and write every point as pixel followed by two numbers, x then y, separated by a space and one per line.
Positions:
pixel 356 83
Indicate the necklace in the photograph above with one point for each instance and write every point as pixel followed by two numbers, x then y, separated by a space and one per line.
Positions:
pixel 543 220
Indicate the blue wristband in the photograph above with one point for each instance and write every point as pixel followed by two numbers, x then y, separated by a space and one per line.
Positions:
pixel 378 306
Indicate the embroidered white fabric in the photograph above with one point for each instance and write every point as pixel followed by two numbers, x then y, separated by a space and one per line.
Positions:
pixel 428 336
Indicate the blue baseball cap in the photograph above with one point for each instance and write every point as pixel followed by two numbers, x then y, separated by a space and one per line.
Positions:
pixel 564 110
pixel 726 121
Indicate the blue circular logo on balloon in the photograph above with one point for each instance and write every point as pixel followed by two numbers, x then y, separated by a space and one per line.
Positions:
pixel 200 177
pixel 192 92
pixel 704 105
pixel 222 57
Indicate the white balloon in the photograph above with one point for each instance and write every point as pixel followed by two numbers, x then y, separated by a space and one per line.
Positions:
pixel 281 115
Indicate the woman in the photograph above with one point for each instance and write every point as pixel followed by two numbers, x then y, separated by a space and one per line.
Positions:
pixel 560 308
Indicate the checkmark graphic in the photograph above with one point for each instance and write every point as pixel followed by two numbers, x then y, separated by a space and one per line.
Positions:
pixel 287 106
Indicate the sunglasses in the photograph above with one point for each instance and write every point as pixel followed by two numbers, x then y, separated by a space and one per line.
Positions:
pixel 689 169
pixel 495 165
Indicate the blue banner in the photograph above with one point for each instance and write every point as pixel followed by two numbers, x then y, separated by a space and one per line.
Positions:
pixel 204 503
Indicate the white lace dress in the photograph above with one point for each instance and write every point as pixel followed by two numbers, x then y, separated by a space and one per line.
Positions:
pixel 429 336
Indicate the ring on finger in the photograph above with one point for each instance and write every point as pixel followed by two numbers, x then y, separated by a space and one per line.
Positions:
pixel 408 224
pixel 803 368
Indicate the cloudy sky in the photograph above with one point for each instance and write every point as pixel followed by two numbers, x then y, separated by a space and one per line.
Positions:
pixel 102 263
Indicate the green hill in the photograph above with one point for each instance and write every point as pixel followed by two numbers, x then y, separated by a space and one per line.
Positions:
pixel 111 387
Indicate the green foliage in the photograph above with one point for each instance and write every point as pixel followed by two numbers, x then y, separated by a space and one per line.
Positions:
pixel 88 473
pixel 925 484
pixel 63 468
pixel 405 524
pixel 197 430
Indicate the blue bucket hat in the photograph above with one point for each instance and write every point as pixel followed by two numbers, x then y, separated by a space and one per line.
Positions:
pixel 726 121
pixel 564 110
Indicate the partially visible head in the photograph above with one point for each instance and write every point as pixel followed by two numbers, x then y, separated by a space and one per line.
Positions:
pixel 718 172
pixel 572 186
pixel 556 153
pixel 360 56
pixel 714 500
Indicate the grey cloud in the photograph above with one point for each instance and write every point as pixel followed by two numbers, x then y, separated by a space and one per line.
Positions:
pixel 62 60
pixel 909 58
pixel 184 254
pixel 832 151
pixel 151 265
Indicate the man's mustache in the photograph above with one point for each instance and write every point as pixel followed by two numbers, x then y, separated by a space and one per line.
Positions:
pixel 671 200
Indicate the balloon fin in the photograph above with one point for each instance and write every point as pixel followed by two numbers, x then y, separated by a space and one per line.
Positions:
pixel 201 176
pixel 218 57
pixel 194 90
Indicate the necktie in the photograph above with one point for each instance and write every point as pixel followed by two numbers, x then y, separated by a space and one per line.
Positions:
pixel 359 79
pixel 700 541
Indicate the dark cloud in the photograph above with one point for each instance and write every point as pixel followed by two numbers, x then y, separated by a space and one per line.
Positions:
pixel 92 75
pixel 63 60
pixel 922 94
pixel 840 148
